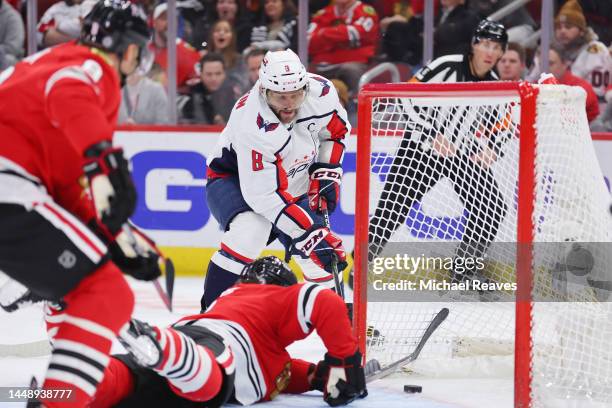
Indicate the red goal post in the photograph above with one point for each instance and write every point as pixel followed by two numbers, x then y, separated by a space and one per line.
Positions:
pixel 526 182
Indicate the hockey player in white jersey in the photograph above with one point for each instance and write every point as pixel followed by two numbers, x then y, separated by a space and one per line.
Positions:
pixel 276 164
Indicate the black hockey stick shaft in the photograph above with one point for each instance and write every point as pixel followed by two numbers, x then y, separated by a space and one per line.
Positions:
pixel 166 296
pixel 169 280
pixel 391 368
pixel 334 266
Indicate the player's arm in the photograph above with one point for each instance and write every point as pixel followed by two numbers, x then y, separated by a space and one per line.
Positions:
pixel 74 99
pixel 493 137
pixel 263 183
pixel 53 36
pixel 340 375
pixel 362 32
pixel 326 172
pixel 82 89
pixel 316 32
pixel 429 120
pixel 436 71
pixel 302 374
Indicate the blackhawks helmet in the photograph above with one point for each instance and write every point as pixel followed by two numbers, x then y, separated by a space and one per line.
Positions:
pixel 268 270
pixel 112 25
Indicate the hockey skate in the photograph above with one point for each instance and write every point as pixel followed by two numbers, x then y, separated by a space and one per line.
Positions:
pixel 140 341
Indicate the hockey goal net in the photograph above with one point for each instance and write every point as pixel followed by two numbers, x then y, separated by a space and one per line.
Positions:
pixel 504 174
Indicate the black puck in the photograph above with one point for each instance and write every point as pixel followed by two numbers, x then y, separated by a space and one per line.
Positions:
pixel 411 389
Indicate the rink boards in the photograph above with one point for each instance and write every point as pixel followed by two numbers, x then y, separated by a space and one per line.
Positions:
pixel 169 170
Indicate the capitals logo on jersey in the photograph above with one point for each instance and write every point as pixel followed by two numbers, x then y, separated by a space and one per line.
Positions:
pixel 264 124
pixel 324 83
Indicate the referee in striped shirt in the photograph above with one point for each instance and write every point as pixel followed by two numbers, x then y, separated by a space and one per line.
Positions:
pixel 441 143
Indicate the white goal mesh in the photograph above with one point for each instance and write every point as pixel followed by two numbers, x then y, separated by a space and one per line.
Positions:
pixel 444 188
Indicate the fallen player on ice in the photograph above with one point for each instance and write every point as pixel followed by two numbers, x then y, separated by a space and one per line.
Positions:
pixel 236 351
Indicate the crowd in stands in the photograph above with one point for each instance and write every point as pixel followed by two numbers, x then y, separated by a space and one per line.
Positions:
pixel 221 43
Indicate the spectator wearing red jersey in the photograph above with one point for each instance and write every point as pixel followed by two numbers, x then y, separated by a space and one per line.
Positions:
pixel 559 64
pixel 342 39
pixel 187 56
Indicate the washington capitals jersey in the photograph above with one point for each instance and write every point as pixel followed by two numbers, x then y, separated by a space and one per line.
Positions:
pixel 258 322
pixel 271 159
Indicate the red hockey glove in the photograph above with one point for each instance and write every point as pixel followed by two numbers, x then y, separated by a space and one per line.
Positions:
pixel 136 254
pixel 322 246
pixel 325 180
pixel 110 185
pixel 341 380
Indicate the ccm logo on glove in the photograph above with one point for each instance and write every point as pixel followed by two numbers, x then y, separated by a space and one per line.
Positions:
pixel 312 240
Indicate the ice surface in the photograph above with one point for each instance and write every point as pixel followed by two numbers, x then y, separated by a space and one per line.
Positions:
pixel 27 326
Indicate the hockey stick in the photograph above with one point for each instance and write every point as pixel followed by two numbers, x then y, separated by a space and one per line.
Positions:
pixel 166 296
pixel 169 281
pixel 375 372
pixel 334 266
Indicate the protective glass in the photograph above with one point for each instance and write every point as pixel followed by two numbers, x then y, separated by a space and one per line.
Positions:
pixel 145 60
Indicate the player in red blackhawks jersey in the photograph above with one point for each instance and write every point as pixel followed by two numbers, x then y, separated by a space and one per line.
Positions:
pixel 67 192
pixel 276 164
pixel 237 350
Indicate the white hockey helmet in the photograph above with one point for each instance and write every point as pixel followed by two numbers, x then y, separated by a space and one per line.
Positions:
pixel 282 71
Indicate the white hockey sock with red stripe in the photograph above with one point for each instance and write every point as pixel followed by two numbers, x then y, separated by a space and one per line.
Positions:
pixel 54 316
pixel 191 369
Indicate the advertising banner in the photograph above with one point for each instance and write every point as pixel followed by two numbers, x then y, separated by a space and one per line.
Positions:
pixel 169 170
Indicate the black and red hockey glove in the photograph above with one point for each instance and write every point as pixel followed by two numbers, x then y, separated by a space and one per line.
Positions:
pixel 325 180
pixel 136 254
pixel 110 184
pixel 342 380
pixel 321 246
